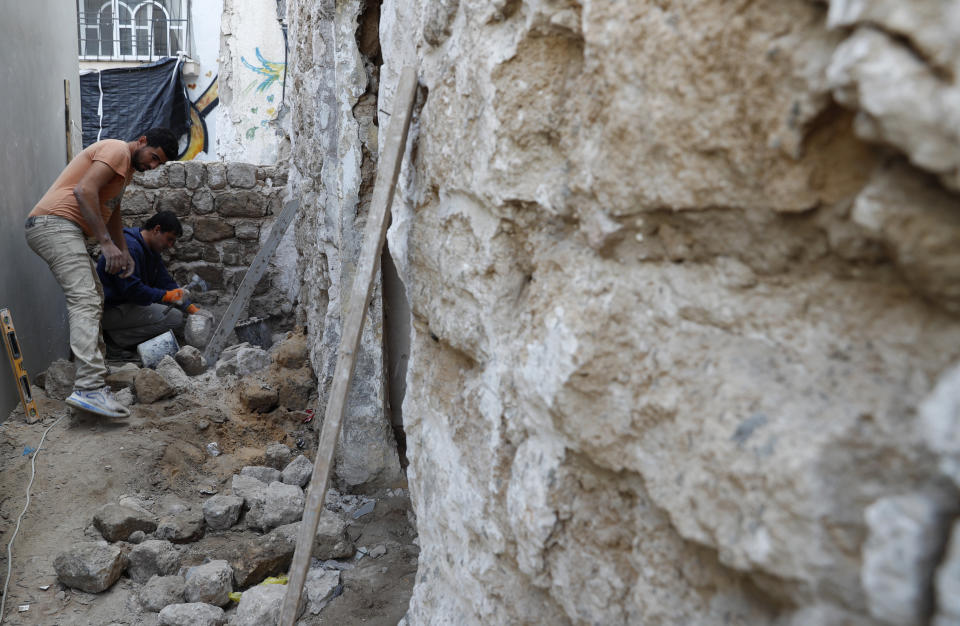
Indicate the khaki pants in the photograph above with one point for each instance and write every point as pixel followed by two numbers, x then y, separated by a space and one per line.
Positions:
pixel 130 324
pixel 60 243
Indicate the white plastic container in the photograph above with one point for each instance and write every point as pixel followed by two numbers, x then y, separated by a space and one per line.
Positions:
pixel 153 350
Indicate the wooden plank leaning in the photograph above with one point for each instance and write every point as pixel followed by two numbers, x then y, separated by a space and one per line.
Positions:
pixel 376 229
pixel 254 273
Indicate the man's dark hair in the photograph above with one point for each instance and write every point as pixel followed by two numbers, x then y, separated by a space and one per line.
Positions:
pixel 168 223
pixel 164 139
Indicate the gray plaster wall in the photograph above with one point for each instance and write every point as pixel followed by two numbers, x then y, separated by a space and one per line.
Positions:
pixel 39 51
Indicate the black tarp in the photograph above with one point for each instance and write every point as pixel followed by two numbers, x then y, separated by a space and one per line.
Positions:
pixel 133 100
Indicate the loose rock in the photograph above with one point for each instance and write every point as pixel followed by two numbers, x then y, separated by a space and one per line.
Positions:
pixel 222 512
pixel 298 472
pixel 162 591
pixel 319 588
pixel 151 386
pixel 261 605
pixel 263 474
pixel 116 522
pixel 279 504
pixel 258 397
pixel 90 566
pixel 183 527
pixel 58 381
pixel 210 583
pixel 278 455
pixel 154 557
pixel 191 614
pixel 191 360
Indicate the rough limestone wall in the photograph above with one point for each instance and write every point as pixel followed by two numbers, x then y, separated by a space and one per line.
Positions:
pixel 333 147
pixel 227 212
pixel 681 275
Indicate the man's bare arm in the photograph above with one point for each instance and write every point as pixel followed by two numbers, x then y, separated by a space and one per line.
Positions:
pixel 87 193
pixel 115 228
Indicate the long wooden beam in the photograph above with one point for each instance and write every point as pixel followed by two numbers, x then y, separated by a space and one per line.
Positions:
pixel 387 173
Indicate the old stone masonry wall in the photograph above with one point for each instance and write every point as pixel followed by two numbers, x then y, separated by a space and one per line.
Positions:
pixel 684 277
pixel 227 210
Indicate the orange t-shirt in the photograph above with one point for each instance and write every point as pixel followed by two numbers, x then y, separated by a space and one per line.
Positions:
pixel 59 199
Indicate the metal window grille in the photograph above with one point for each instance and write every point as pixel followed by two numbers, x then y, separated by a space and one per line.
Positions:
pixel 119 30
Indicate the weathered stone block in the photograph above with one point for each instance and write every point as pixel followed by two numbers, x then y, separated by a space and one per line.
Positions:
pixel 277 505
pixel 261 605
pixel 298 471
pixel 58 379
pixel 210 583
pixel 162 591
pixel 189 251
pixel 151 179
pixel 122 377
pixel 221 512
pixel 90 566
pixel 151 387
pixel 194 174
pixel 153 557
pixel 116 522
pixel 191 614
pixel 262 473
pixel 248 230
pixel 216 175
pixel 278 455
pixel 242 175
pixel 137 202
pixel 176 177
pixel 170 369
pixel 240 204
pixel 176 200
pixel 319 588
pixel 202 202
pixel 211 229
pixel 182 527
pixel 293 352
pixel 190 359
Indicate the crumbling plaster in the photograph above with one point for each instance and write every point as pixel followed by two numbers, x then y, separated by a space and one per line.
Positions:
pixel 680 276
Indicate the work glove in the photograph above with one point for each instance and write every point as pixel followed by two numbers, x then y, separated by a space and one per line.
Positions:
pixel 192 308
pixel 176 297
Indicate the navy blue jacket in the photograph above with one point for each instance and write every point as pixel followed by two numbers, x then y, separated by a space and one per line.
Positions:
pixel 149 281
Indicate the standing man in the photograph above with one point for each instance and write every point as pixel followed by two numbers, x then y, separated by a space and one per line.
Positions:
pixel 141 306
pixel 85 200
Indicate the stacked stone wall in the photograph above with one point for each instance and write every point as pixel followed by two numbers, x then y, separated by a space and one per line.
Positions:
pixel 227 211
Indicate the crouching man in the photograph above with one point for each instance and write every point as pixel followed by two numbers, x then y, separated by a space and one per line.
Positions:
pixel 148 302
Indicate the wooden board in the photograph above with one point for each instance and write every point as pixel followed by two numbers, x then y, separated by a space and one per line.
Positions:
pixel 383 190
pixel 254 273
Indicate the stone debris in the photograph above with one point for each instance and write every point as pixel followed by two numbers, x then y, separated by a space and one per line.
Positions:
pixel 182 527
pixel 125 397
pixel 364 509
pixel 162 591
pixel 940 422
pixel 151 387
pixel 278 455
pixel 319 588
pixel 90 566
pixel 277 505
pixel 331 540
pixel 240 360
pixel 948 583
pixel 247 487
pixel 261 605
pixel 137 536
pixel 263 474
pixel 122 377
pixel 171 372
pixel 116 522
pixel 58 379
pixel 292 353
pixel 211 583
pixel 378 551
pixel 906 536
pixel 222 512
pixel 153 557
pixel 213 448
pixel 191 360
pixel 295 389
pixel 298 471
pixel 267 555
pixel 191 614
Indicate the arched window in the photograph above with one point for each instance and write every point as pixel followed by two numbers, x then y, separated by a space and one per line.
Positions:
pixel 132 30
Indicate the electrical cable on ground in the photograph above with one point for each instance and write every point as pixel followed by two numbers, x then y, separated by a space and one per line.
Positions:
pixel 33 473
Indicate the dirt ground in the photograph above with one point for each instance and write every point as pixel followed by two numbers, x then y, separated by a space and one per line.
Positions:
pixel 160 452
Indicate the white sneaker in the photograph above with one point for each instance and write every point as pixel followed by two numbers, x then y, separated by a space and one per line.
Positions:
pixel 99 401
